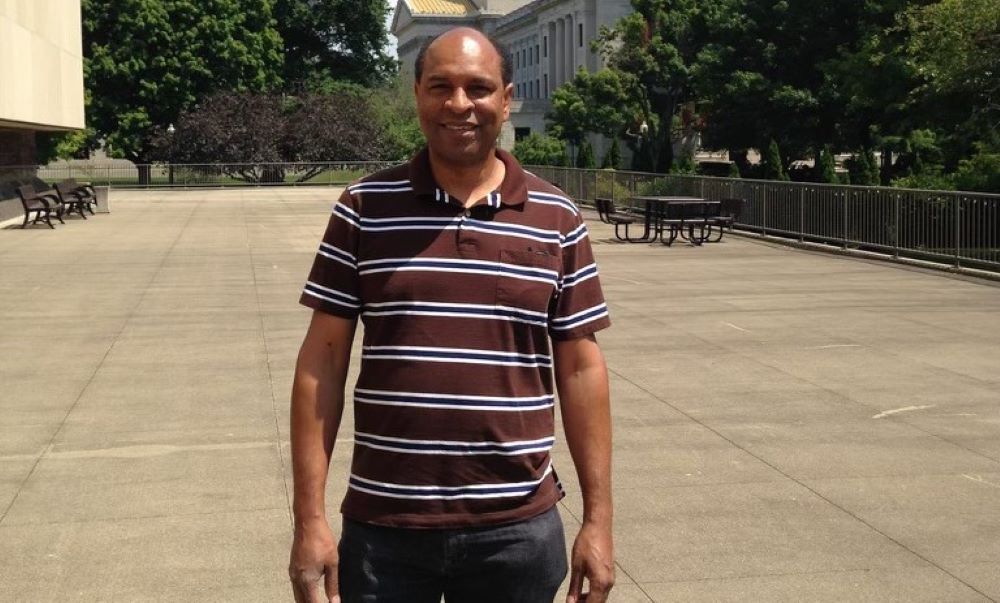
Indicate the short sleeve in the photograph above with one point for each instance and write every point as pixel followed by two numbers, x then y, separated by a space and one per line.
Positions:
pixel 579 308
pixel 333 281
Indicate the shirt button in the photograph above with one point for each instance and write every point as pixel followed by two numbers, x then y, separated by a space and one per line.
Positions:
pixel 467 213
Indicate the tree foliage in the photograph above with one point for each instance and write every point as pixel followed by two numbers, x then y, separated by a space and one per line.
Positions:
pixel 652 50
pixel 333 40
pixel 146 61
pixel 538 149
pixel 250 130
pixel 955 48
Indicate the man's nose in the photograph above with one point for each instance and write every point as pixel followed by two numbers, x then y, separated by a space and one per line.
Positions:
pixel 459 101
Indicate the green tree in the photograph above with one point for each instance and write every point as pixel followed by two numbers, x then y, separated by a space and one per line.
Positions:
pixel 826 167
pixel 395 107
pixel 591 102
pixel 862 169
pixel 585 156
pixel 613 158
pixel 329 40
pixel 955 46
pixel 773 167
pixel 778 69
pixel 538 149
pixel 146 61
pixel 652 50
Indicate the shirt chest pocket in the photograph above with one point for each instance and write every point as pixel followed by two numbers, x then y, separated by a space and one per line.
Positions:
pixel 527 279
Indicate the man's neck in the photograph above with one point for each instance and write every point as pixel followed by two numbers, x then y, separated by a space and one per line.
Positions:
pixel 470 183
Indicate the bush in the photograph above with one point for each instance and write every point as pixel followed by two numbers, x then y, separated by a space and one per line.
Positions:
pixel 538 149
pixel 611 187
pixel 931 179
pixel 981 173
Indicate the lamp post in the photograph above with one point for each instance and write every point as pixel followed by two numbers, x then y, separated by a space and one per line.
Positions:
pixel 170 154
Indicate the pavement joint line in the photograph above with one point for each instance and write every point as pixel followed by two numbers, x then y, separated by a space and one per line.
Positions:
pixel 267 356
pixel 738 577
pixel 97 368
pixel 115 520
pixel 805 486
pixel 618 564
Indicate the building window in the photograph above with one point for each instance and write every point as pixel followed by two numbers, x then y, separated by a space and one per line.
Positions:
pixel 581 35
pixel 545 46
pixel 536 53
pixel 546 85
pixel 536 88
pixel 522 58
pixel 521 133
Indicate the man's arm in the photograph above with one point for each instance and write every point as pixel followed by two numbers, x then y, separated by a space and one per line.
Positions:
pixel 582 380
pixel 317 406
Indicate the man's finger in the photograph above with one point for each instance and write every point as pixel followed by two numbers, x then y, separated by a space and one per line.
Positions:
pixel 332 584
pixel 575 586
pixel 316 592
pixel 300 597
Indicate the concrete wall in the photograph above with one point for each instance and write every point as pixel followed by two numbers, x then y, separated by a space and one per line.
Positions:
pixel 41 65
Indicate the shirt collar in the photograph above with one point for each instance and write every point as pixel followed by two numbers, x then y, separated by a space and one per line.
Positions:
pixel 513 191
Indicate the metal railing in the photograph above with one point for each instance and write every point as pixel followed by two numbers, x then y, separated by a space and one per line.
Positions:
pixel 957 228
pixel 128 175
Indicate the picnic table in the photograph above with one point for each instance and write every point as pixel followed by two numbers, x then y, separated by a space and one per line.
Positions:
pixel 668 217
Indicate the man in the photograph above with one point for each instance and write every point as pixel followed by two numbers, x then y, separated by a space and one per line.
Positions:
pixel 462 267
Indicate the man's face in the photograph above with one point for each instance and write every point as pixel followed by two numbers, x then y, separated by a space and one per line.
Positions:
pixel 461 99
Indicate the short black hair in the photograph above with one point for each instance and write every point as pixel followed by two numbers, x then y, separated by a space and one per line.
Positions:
pixel 506 60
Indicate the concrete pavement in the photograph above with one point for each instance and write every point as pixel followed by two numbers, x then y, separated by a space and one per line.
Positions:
pixel 788 425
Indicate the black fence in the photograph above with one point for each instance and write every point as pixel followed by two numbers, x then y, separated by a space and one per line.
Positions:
pixel 958 228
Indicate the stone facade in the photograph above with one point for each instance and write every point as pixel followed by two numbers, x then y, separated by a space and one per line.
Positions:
pixel 549 39
pixel 41 73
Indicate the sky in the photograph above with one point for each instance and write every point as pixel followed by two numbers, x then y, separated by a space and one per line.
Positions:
pixel 388 24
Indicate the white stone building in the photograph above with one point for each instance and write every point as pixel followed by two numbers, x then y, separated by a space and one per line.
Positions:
pixel 549 39
pixel 41 74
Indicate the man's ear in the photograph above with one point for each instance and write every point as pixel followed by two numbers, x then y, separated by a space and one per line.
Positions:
pixel 508 96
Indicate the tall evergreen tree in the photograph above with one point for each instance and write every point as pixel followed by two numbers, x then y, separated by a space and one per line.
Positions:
pixel 774 167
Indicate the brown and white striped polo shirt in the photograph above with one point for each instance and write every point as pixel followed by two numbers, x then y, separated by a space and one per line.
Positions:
pixel 454 418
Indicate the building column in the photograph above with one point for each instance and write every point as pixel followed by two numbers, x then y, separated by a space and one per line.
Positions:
pixel 570 47
pixel 560 48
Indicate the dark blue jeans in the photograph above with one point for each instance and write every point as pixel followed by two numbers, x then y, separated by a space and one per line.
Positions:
pixel 512 563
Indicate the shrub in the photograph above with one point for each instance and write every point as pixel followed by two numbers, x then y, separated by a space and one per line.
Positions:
pixel 538 149
pixel 981 173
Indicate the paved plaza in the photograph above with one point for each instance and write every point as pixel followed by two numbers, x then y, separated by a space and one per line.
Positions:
pixel 789 425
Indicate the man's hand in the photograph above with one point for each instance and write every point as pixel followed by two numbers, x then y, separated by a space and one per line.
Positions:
pixel 313 565
pixel 593 559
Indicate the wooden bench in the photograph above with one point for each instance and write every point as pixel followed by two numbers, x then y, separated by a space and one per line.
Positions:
pixel 609 214
pixel 42 204
pixel 76 196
